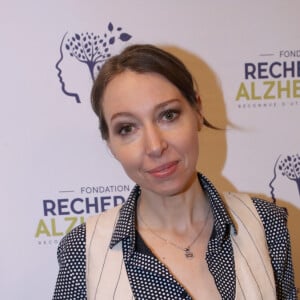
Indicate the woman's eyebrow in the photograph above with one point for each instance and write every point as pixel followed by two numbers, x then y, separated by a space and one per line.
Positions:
pixel 166 103
pixel 157 107
pixel 120 114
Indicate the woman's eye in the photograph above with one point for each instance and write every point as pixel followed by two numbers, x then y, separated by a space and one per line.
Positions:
pixel 125 129
pixel 170 115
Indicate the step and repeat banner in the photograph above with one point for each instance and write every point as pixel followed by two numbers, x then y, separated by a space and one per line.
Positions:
pixel 56 170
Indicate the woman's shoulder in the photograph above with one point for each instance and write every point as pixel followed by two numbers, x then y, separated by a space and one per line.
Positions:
pixel 274 220
pixel 72 244
pixel 76 235
pixel 270 211
pixel 71 257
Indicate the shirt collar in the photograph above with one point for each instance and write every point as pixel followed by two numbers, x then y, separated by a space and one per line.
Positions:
pixel 223 223
pixel 125 227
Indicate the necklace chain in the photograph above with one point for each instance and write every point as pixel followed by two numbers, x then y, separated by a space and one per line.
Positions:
pixel 187 250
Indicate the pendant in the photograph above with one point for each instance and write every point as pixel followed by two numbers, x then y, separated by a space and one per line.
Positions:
pixel 188 253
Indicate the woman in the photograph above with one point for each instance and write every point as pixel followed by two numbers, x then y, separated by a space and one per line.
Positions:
pixel 175 237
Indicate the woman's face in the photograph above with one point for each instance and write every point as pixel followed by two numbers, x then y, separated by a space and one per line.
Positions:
pixel 153 131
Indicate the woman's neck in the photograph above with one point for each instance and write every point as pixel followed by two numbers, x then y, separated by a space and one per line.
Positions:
pixel 175 213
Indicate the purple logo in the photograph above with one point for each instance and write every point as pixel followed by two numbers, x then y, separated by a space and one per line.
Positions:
pixel 87 50
pixel 286 170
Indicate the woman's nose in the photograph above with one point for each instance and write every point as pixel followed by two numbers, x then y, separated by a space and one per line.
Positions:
pixel 154 141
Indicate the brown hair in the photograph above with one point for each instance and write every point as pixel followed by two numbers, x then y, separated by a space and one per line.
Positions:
pixel 142 59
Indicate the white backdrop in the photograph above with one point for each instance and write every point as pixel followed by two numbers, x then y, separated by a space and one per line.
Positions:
pixel 54 167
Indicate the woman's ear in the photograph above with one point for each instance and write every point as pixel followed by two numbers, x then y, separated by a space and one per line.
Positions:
pixel 200 118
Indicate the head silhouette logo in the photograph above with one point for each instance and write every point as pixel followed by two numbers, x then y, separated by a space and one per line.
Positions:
pixel 286 176
pixel 81 57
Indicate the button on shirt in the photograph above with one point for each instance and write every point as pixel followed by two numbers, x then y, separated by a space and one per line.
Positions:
pixel 150 279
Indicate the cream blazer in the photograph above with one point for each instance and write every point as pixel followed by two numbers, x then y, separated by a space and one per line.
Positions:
pixel 106 274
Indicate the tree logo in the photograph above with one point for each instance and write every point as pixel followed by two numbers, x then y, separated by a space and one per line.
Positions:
pixel 286 167
pixel 86 49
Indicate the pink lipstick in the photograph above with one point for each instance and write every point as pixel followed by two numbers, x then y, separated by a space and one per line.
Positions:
pixel 164 170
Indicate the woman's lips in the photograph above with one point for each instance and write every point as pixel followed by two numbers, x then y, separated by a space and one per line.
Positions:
pixel 164 170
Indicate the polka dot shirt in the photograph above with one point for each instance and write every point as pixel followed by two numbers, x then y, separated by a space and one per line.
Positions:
pixel 150 279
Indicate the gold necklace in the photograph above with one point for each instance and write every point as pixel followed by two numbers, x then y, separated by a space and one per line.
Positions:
pixel 187 250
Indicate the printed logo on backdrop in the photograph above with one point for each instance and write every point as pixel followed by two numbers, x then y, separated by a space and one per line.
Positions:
pixel 271 80
pixel 60 214
pixel 81 57
pixel 285 183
